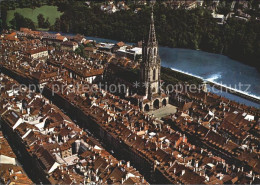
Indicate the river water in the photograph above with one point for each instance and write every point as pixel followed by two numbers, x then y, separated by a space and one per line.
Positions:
pixel 211 67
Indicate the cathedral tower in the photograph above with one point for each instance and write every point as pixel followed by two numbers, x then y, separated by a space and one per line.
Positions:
pixel 151 64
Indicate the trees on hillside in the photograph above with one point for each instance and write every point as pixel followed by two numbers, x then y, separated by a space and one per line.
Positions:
pixel 194 29
pixel 20 21
pixel 42 23
pixel 41 20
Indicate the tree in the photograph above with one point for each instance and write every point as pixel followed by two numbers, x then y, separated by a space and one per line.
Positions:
pixel 1 27
pixel 41 21
pixel 47 23
pixel 194 29
pixel 20 21
pixel 57 24
pixel 80 51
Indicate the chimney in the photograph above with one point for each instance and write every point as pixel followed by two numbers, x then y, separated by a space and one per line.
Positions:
pixel 11 171
pixel 142 180
pixel 128 164
pixel 28 111
pixel 196 163
pixel 226 168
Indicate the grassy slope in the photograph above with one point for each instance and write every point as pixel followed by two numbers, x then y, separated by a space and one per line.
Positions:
pixel 47 11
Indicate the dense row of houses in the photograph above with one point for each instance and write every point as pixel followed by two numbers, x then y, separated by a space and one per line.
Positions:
pixel 112 7
pixel 217 122
pixel 240 13
pixel 51 147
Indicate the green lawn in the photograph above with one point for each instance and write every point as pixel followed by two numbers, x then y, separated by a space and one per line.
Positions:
pixel 46 11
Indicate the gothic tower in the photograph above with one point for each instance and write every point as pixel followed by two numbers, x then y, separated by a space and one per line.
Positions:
pixel 151 64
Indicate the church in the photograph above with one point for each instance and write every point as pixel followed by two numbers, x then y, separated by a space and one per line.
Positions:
pixel 150 95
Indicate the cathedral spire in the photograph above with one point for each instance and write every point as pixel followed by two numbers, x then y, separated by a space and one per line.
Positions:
pixel 150 72
pixel 152 37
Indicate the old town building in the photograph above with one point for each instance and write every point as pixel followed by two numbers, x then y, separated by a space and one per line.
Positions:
pixel 150 74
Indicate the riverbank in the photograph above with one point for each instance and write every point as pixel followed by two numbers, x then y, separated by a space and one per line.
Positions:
pixel 223 88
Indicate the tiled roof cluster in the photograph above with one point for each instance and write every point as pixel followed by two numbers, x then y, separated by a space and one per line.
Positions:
pixel 209 140
pixel 10 173
pixel 80 66
pixel 15 58
pixel 157 142
pixel 228 127
pixel 66 153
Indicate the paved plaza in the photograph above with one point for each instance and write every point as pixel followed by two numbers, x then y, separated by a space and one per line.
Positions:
pixel 164 111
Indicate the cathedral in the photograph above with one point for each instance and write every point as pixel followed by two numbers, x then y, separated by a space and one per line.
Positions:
pixel 150 95
pixel 147 95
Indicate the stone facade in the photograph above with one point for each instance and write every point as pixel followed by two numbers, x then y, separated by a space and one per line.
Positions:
pixel 150 74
